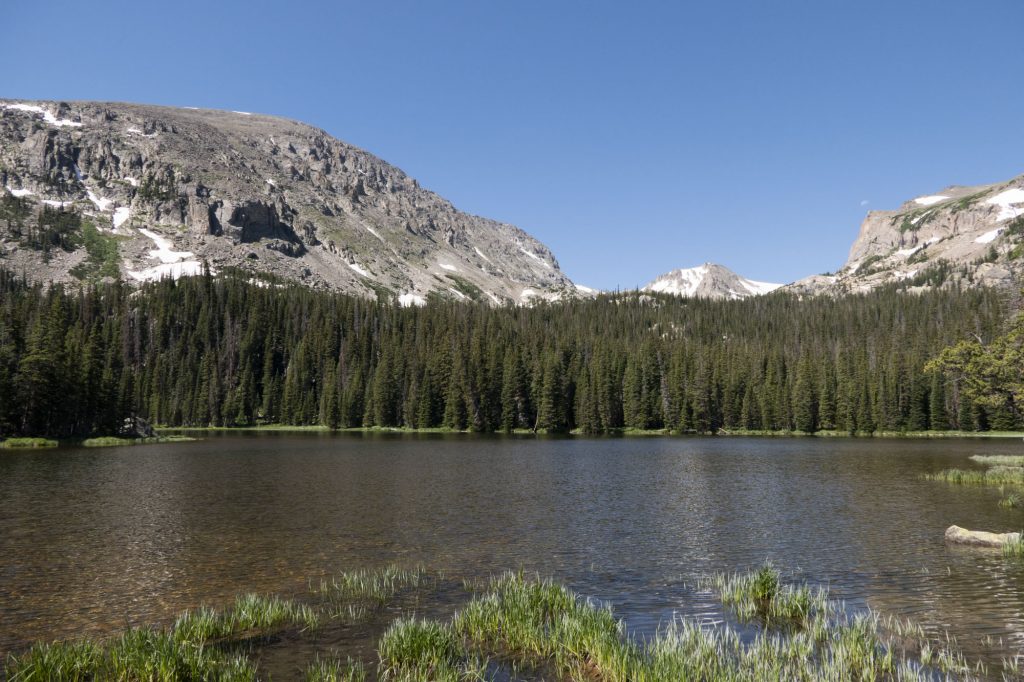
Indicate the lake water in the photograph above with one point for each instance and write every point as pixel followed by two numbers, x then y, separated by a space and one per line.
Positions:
pixel 94 539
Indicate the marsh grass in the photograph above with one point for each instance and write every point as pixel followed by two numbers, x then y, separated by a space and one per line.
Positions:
pixel 353 596
pixel 761 596
pixel 106 442
pixel 331 670
pixel 199 646
pixel 518 623
pixel 1015 548
pixel 116 441
pixel 262 614
pixel 996 476
pixel 14 443
pixel 1011 501
pixel 537 624
pixel 999 460
pixel 138 654
pixel 420 650
pixel 1003 471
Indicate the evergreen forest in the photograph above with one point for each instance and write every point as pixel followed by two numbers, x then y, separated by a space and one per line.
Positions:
pixel 227 351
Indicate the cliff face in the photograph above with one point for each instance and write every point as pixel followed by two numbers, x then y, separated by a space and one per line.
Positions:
pixel 169 190
pixel 965 235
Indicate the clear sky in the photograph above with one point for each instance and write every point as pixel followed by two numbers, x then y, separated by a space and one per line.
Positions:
pixel 630 137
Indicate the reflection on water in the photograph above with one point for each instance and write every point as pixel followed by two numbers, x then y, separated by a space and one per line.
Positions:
pixel 93 539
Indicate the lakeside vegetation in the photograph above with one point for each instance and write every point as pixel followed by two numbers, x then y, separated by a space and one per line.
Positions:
pixel 118 441
pixel 1004 472
pixel 19 443
pixel 204 351
pixel 512 625
pixel 98 442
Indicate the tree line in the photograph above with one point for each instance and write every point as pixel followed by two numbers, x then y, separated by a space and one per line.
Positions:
pixel 223 351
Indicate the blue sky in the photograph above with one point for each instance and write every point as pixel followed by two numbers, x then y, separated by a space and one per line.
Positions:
pixel 631 138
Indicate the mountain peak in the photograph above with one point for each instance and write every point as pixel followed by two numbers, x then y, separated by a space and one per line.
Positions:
pixel 709 280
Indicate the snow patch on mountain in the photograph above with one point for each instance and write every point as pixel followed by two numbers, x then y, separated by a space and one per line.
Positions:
pixel 1010 203
pixel 173 263
pixel 758 288
pixel 929 200
pixel 19 193
pixel 47 116
pixel 989 236
pixel 534 256
pixel 164 248
pixel 121 216
pixel 358 268
pixel 410 299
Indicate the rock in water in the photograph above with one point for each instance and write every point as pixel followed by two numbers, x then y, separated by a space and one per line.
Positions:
pixel 979 538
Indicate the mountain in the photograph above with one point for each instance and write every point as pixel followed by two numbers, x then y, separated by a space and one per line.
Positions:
pixel 709 280
pixel 94 190
pixel 964 235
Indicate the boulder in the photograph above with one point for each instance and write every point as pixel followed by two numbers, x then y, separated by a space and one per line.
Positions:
pixel 136 427
pixel 979 538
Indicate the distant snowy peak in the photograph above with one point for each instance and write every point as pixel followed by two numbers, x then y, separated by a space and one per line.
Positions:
pixel 709 280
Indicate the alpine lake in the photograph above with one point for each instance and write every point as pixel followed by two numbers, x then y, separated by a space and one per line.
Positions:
pixel 93 541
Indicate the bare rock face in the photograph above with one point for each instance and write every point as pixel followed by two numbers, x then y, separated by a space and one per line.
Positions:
pixel 709 280
pixel 960 235
pixel 180 189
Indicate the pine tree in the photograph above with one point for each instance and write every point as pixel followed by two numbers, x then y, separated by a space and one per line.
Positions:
pixel 937 415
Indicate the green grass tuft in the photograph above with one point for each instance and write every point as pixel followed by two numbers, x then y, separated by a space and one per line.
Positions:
pixel 761 596
pixel 1014 549
pixel 1011 501
pixel 354 595
pixel 335 671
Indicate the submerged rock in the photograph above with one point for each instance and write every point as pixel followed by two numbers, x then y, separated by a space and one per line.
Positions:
pixel 979 538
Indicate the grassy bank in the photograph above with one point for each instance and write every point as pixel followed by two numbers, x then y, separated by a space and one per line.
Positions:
pixel 514 626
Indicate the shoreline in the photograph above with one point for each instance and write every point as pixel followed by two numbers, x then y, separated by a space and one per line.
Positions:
pixel 175 434
pixel 619 433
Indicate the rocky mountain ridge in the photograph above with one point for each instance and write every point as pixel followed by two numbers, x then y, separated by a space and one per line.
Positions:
pixel 709 280
pixel 91 190
pixel 959 235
